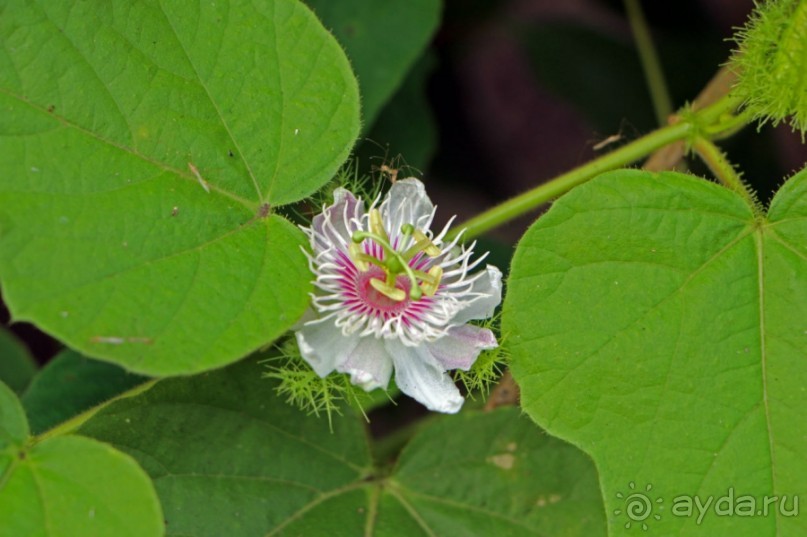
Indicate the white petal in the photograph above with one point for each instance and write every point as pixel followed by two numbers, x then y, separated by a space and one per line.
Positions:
pixel 419 376
pixel 407 203
pixel 333 225
pixel 308 316
pixel 488 287
pixel 324 346
pixel 460 347
pixel 369 364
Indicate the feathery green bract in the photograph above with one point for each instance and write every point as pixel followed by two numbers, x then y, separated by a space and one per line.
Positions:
pixel 772 63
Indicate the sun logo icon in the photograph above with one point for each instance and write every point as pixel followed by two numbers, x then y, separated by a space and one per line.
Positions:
pixel 638 506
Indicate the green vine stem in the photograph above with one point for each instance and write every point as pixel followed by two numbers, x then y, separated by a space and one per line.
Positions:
pixel 67 427
pixel 722 169
pixel 711 121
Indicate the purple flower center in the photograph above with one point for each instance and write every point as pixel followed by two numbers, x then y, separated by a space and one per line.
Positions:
pixel 380 304
pixel 361 297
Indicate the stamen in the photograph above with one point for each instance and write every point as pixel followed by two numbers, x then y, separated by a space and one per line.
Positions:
pixel 432 282
pixel 396 263
pixel 358 256
pixel 388 291
pixel 422 244
pixel 377 225
pixel 414 291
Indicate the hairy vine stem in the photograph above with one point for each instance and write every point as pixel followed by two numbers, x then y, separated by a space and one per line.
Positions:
pixel 723 170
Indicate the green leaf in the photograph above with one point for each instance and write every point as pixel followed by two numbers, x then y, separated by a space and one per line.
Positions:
pixel 229 458
pixel 68 486
pixel 382 40
pixel 13 426
pixel 657 324
pixel 17 367
pixel 144 147
pixel 70 384
pixel 496 474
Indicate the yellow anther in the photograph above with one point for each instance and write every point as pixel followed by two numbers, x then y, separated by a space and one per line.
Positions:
pixel 357 254
pixel 428 246
pixel 431 283
pixel 377 225
pixel 393 293
pixel 422 244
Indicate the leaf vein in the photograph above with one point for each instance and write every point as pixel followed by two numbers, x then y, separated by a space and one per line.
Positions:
pixel 758 239
pixel 474 508
pixel 648 311
pixel 315 502
pixel 186 175
pixel 213 104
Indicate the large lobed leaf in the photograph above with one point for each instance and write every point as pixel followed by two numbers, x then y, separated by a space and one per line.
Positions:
pixel 144 147
pixel 230 458
pixel 658 324
pixel 69 486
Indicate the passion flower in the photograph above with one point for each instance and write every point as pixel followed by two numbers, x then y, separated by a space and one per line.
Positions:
pixel 390 295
